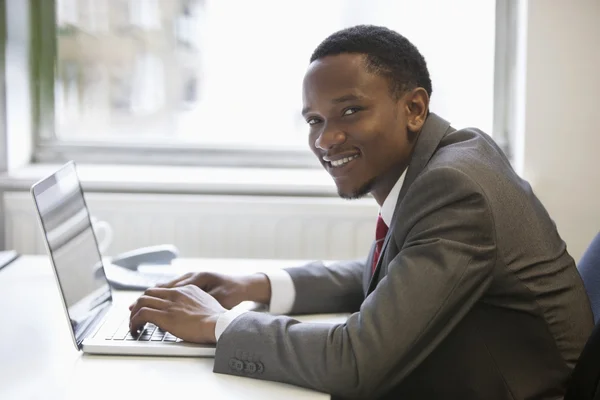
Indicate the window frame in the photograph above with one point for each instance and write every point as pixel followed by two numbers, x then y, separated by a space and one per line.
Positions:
pixel 505 80
pixel 47 148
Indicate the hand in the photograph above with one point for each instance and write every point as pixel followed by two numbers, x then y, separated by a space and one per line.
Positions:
pixel 228 290
pixel 187 312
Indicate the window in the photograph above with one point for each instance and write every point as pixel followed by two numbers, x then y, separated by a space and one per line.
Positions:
pixel 219 81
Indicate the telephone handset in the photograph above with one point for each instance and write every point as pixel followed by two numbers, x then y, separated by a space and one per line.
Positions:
pixel 122 271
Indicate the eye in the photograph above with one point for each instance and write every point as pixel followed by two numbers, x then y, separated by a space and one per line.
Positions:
pixel 350 110
pixel 313 121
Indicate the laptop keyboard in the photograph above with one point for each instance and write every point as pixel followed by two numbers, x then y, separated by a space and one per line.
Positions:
pixel 150 333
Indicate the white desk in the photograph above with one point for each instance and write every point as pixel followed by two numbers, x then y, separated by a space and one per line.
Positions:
pixel 39 361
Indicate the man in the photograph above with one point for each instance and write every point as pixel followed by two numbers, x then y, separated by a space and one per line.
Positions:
pixel 468 291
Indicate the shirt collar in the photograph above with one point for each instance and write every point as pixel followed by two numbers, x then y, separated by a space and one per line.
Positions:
pixel 389 204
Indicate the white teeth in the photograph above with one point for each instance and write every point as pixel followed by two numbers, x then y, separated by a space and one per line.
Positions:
pixel 343 161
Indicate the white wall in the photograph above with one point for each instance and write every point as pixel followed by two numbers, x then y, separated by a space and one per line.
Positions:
pixel 561 148
pixel 214 226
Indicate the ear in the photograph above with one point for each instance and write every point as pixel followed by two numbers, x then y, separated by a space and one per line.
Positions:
pixel 417 108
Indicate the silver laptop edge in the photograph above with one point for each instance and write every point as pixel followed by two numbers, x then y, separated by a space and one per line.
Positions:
pixel 85 333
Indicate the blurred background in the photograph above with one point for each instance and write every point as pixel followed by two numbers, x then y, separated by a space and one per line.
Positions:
pixel 184 115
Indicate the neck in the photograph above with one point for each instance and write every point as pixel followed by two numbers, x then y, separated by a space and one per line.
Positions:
pixel 386 183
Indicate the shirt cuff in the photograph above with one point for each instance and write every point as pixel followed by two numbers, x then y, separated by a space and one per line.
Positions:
pixel 283 292
pixel 283 295
pixel 225 319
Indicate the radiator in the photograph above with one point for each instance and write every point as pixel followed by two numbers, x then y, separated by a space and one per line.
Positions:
pixel 215 226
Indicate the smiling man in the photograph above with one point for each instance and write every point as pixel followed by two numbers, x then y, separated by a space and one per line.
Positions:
pixel 468 291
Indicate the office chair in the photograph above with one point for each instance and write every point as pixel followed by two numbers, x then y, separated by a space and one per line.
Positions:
pixel 585 379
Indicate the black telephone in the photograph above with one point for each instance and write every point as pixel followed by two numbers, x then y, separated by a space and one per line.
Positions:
pixel 123 274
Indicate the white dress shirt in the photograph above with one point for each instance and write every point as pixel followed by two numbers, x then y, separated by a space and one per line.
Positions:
pixel 283 292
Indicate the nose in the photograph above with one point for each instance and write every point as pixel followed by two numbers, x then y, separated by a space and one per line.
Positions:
pixel 330 137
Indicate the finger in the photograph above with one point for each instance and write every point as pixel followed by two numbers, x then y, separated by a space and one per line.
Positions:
pixel 184 282
pixel 175 281
pixel 150 302
pixel 162 293
pixel 145 315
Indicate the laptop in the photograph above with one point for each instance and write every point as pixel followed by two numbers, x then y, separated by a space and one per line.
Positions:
pixel 97 325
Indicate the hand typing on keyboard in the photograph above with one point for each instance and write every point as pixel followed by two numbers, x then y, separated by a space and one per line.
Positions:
pixel 148 333
pixel 187 312
pixel 228 290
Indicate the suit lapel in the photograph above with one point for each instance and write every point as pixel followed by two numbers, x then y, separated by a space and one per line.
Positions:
pixel 367 272
pixel 428 141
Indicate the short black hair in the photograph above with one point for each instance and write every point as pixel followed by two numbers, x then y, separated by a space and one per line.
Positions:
pixel 387 52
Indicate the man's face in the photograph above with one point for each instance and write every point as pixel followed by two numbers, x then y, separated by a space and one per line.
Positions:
pixel 358 129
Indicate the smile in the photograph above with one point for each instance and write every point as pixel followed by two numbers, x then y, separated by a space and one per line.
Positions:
pixel 343 161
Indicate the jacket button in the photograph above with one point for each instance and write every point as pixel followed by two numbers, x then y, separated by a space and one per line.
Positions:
pixel 250 367
pixel 232 363
pixel 239 366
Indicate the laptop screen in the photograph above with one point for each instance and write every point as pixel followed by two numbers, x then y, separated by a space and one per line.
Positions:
pixel 72 246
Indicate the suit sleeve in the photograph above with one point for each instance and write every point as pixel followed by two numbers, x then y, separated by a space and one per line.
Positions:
pixel 443 268
pixel 334 288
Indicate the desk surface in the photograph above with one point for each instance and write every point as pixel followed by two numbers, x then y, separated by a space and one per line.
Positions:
pixel 39 361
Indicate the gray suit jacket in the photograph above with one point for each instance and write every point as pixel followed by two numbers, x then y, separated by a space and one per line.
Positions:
pixel 474 296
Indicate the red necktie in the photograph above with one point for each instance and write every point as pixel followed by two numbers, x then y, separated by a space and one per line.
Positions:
pixel 380 231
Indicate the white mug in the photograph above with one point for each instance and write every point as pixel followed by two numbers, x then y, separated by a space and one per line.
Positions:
pixel 103 232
